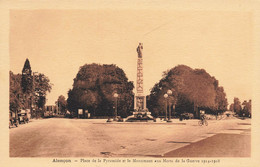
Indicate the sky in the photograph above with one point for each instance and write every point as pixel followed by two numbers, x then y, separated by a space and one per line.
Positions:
pixel 58 42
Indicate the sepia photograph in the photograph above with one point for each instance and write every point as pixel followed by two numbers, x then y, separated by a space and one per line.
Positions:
pixel 131 85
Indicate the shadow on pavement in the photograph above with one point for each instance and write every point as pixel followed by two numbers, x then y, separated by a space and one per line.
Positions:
pixel 220 145
pixel 183 142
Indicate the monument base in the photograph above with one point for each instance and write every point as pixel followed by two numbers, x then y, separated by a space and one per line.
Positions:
pixel 140 116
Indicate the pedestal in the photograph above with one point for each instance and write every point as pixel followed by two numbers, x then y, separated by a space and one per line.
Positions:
pixel 140 116
pixel 141 113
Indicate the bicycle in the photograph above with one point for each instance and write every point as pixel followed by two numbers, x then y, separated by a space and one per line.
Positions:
pixel 203 122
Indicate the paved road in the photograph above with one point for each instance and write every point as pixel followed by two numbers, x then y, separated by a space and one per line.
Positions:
pixel 225 145
pixel 60 137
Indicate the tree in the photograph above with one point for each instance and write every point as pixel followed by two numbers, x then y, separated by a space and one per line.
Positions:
pixel 199 89
pixel 27 90
pixel 16 94
pixel 220 100
pixel 172 79
pixel 237 106
pixel 27 83
pixel 27 77
pixel 250 107
pixel 62 104
pixel 246 108
pixel 93 90
pixel 194 89
pixel 41 86
pixel 231 107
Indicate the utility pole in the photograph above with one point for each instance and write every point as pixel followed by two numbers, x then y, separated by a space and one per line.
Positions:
pixel 33 92
pixel 59 111
pixel 32 98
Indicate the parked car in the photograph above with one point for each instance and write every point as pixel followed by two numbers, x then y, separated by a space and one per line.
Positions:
pixel 184 116
pixel 23 118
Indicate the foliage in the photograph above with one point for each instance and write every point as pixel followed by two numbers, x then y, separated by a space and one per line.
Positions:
pixel 246 108
pixel 94 87
pixel 62 104
pixel 231 107
pixel 192 90
pixel 16 93
pixel 243 109
pixel 220 100
pixel 41 86
pixel 27 80
pixel 237 106
pixel 27 89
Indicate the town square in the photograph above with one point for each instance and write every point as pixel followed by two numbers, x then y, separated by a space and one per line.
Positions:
pixel 69 129
pixel 59 137
pixel 98 86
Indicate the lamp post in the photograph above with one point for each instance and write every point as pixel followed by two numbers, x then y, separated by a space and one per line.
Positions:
pixel 166 105
pixel 115 96
pixel 169 93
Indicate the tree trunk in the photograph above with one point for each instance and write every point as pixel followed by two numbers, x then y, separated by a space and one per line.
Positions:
pixel 196 112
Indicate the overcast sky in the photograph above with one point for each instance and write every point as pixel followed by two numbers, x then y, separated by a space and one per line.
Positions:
pixel 58 42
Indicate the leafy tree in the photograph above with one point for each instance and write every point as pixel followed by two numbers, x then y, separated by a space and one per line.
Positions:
pixel 220 100
pixel 16 93
pixel 41 86
pixel 231 107
pixel 19 99
pixel 250 107
pixel 94 87
pixel 199 89
pixel 237 106
pixel 193 90
pixel 27 89
pixel 62 104
pixel 172 79
pixel 246 111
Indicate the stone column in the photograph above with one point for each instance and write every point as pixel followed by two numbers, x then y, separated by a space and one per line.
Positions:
pixel 140 80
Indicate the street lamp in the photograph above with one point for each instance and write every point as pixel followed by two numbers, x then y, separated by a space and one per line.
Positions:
pixel 166 105
pixel 115 96
pixel 169 92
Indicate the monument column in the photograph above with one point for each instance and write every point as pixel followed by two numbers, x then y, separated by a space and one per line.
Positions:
pixel 140 99
pixel 141 113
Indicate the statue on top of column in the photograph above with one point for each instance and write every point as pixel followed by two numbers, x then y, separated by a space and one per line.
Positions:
pixel 139 50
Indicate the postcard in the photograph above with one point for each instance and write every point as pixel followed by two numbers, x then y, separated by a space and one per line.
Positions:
pixel 129 83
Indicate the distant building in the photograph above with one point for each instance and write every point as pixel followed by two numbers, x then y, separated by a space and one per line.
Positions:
pixel 51 110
